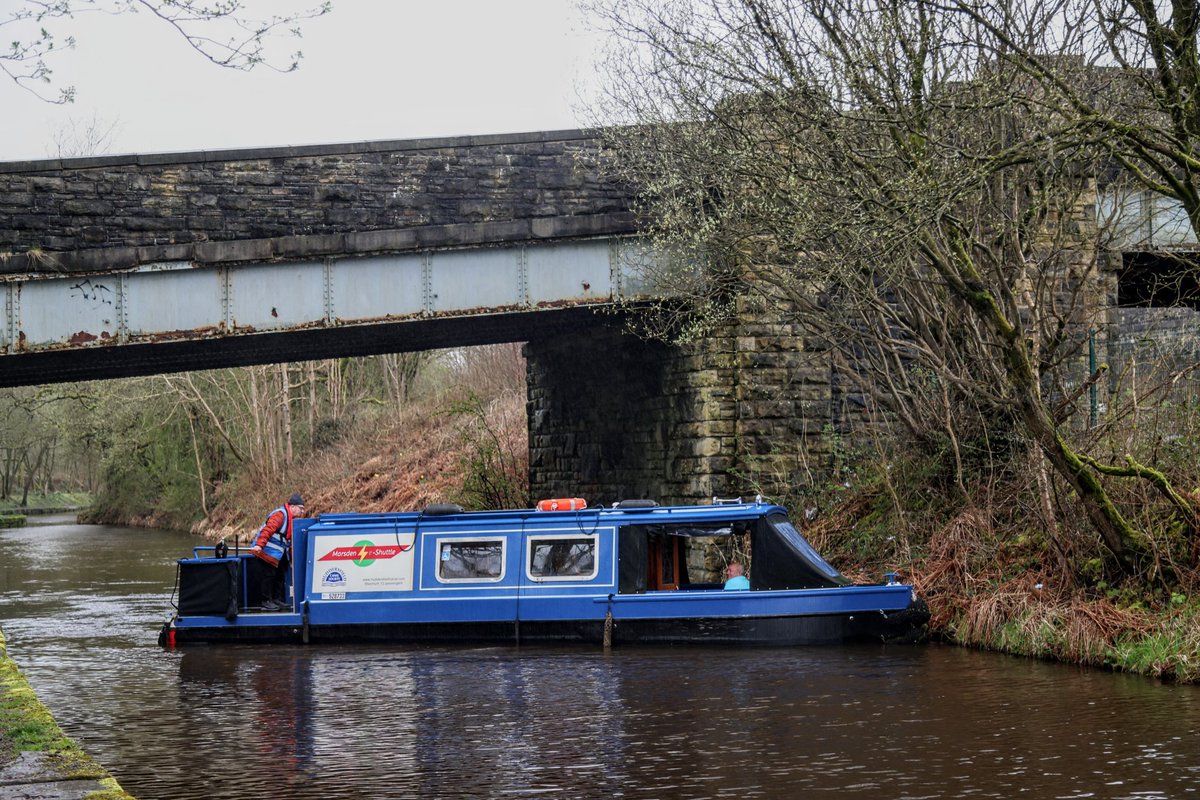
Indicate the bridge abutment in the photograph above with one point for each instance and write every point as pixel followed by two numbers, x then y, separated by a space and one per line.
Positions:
pixel 613 416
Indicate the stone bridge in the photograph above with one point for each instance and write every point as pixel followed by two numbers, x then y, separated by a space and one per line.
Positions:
pixel 132 265
pixel 129 265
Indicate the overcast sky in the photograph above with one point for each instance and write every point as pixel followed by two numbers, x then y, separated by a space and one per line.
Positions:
pixel 372 69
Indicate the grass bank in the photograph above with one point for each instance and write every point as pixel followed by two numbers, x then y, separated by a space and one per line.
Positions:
pixel 995 577
pixel 54 501
pixel 26 725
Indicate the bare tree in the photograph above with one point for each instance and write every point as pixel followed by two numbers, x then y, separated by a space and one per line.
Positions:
pixel 85 137
pixel 906 179
pixel 226 32
pixel 1128 70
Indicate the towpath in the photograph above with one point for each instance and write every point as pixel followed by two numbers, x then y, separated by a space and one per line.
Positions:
pixel 46 765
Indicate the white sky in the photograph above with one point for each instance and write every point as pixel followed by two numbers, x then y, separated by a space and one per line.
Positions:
pixel 372 69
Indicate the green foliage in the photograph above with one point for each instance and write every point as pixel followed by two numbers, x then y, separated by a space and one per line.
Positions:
pixel 12 521
pixel 1170 650
pixel 67 501
pixel 494 453
pixel 43 448
pixel 147 467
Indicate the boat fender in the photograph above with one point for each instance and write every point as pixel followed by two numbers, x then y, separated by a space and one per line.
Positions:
pixel 441 509
pixel 304 624
pixel 166 636
pixel 562 504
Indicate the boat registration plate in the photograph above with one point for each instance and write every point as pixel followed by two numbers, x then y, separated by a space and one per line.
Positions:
pixel 333 596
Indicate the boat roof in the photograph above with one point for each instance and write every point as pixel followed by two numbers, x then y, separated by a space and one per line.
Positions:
pixel 636 512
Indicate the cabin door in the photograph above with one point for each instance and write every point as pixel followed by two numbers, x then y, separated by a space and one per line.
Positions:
pixel 666 556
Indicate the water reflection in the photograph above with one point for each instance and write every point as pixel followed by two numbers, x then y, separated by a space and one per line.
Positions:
pixel 81 608
pixel 488 722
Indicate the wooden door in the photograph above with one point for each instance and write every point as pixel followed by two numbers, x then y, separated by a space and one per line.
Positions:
pixel 666 557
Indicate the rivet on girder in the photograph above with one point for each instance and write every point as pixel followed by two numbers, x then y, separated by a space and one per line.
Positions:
pixel 227 299
pixel 427 297
pixel 523 275
pixel 615 273
pixel 11 306
pixel 123 308
pixel 329 309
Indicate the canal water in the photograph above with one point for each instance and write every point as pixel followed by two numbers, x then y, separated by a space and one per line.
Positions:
pixel 81 607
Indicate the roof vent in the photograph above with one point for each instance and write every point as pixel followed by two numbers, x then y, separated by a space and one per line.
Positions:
pixel 635 505
pixel 442 509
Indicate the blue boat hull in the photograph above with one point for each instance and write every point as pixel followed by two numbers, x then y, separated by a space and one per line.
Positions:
pixel 540 577
pixel 905 625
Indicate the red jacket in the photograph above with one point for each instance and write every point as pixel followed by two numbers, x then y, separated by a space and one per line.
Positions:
pixel 279 524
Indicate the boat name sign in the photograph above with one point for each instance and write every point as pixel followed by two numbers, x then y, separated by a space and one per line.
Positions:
pixel 360 564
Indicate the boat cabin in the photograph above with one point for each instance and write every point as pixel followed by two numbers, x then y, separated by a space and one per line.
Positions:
pixel 603 574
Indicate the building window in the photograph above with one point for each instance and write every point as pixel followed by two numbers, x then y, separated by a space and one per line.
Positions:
pixel 562 558
pixel 470 560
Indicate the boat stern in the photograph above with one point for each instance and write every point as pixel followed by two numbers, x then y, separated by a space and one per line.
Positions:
pixel 909 625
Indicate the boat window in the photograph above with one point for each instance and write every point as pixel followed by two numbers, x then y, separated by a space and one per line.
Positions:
pixel 470 560
pixel 562 557
pixel 788 531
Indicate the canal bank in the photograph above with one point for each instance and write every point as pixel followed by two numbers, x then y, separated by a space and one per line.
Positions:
pixel 37 760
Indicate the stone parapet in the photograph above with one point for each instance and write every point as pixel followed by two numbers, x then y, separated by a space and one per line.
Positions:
pixel 144 205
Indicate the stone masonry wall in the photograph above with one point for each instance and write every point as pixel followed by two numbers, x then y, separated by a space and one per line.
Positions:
pixel 613 417
pixel 784 399
pixel 158 202
pixel 1149 345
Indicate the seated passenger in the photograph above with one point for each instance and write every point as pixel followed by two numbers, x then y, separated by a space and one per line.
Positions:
pixel 734 578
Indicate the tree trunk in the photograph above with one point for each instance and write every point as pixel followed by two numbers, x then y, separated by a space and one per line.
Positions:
pixel 191 418
pixel 285 409
pixel 30 474
pixel 1049 518
pixel 6 482
pixel 1116 532
pixel 48 471
pixel 312 403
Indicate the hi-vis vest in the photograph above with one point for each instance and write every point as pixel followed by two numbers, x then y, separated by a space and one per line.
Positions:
pixel 277 544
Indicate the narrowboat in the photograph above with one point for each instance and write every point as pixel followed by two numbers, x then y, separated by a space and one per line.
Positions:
pixel 614 574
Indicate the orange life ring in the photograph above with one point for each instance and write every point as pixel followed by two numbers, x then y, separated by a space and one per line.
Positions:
pixel 562 504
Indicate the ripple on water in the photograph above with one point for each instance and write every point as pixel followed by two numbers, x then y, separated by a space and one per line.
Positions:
pixel 349 722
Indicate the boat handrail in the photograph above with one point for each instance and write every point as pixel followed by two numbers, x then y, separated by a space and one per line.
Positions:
pixel 210 548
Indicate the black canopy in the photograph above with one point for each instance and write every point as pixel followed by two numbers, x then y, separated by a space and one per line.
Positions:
pixel 782 557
